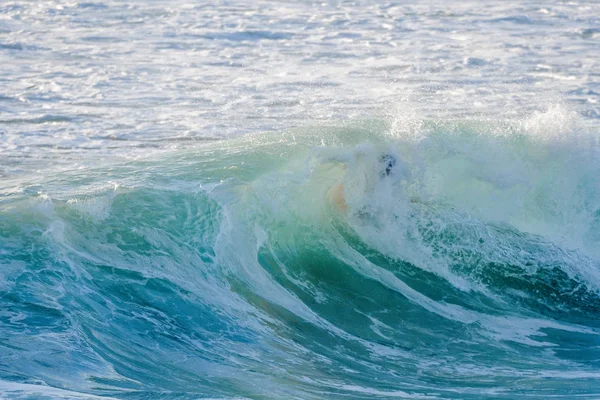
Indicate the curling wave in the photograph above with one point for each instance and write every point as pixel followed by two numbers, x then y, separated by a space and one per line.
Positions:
pixel 469 269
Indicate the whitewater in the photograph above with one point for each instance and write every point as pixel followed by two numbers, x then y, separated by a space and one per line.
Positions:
pixel 167 228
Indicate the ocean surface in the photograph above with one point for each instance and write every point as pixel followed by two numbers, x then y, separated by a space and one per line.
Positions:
pixel 167 222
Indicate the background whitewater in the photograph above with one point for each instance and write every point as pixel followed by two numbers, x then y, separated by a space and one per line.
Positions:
pixel 85 81
pixel 164 223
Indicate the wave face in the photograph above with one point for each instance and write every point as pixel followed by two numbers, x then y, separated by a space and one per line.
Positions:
pixel 471 270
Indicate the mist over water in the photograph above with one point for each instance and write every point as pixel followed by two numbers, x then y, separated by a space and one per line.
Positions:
pixel 167 225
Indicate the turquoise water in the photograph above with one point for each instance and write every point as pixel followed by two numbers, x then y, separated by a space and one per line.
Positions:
pixel 226 272
pixel 167 228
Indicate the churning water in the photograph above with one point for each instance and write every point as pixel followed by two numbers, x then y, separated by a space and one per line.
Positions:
pixel 166 223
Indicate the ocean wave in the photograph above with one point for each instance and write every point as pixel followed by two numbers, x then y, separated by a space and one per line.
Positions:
pixel 227 270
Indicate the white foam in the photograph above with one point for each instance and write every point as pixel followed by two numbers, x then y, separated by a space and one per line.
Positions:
pixel 23 390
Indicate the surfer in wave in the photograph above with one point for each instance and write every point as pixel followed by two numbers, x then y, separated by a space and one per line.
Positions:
pixel 387 162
